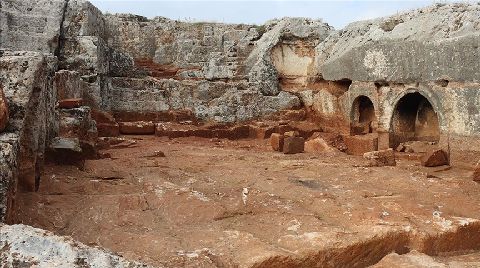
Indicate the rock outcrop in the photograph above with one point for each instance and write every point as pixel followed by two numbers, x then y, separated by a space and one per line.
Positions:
pixel 27 86
pixel 429 44
pixel 31 25
pixel 262 72
pixel 27 246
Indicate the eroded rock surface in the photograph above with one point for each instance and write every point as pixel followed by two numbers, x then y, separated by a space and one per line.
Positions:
pixel 420 45
pixel 4 115
pixel 27 246
pixel 376 84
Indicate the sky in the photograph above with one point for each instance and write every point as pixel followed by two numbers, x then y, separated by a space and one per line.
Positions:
pixel 336 13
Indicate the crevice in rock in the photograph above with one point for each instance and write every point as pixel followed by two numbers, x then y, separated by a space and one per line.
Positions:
pixel 61 39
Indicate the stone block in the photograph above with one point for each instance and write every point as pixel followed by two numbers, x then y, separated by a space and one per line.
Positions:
pixel 66 151
pixel 68 85
pixel 293 145
pixel 360 144
pixel 70 103
pixel 108 129
pixel 317 145
pixel 276 141
pixel 381 158
pixel 137 128
pixel 434 158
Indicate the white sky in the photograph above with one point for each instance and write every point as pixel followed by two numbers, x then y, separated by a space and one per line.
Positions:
pixel 335 13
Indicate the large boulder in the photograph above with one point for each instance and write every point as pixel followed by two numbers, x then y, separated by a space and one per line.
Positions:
pixel 318 145
pixel 31 25
pixel 434 158
pixel 428 44
pixel 31 247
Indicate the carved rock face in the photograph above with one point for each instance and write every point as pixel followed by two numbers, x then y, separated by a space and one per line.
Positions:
pixel 3 110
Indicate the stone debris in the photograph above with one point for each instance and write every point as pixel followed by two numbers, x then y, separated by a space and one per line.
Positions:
pixel 137 128
pixel 107 126
pixel 66 151
pixel 291 134
pixel 318 145
pixel 70 103
pixel 381 158
pixel 293 145
pixel 32 247
pixel 434 158
pixel 276 141
pixel 156 154
pixel 415 146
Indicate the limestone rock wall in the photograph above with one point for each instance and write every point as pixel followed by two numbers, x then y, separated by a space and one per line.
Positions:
pixel 201 67
pixel 26 79
pixel 31 25
pixel 209 51
pixel 268 59
pixel 429 44
pixel 432 51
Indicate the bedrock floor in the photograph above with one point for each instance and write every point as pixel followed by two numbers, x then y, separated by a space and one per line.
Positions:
pixel 221 203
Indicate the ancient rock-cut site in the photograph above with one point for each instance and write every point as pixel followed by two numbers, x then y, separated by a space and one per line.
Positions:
pixel 135 142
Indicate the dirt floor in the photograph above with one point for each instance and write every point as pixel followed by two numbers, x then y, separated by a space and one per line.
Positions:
pixel 221 203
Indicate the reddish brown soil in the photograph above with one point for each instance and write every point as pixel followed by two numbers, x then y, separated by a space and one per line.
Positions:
pixel 302 210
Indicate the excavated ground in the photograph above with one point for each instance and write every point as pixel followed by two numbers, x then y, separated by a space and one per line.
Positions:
pixel 191 208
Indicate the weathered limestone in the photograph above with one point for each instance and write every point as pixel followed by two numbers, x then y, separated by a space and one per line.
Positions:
pixel 9 148
pixel 397 49
pixel 35 247
pixel 66 151
pixel 31 25
pixel 27 87
pixel 220 101
pixel 4 115
pixel 261 67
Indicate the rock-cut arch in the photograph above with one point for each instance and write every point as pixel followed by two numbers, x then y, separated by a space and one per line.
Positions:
pixel 414 119
pixel 362 116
